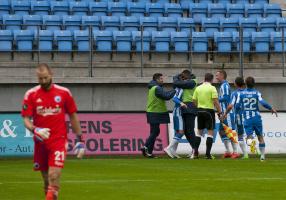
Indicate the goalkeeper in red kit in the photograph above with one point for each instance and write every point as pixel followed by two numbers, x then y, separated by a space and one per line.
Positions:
pixel 43 110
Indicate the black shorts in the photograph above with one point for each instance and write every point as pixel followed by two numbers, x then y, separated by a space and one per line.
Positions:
pixel 206 119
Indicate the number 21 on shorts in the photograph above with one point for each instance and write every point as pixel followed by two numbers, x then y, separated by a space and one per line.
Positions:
pixel 59 155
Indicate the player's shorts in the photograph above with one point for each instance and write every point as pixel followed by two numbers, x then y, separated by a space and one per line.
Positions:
pixel 239 124
pixel 251 126
pixel 229 121
pixel 206 119
pixel 178 119
pixel 50 154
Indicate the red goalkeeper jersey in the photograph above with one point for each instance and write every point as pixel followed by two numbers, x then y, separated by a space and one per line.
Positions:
pixel 48 108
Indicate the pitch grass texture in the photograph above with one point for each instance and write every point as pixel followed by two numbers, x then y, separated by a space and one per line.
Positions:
pixel 148 179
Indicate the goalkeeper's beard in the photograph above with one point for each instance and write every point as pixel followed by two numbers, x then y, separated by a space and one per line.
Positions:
pixel 46 86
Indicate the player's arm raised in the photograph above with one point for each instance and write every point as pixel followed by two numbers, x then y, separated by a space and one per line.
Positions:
pixel 79 147
pixel 266 105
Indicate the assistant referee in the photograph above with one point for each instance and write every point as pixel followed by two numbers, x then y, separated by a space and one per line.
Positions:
pixel 206 98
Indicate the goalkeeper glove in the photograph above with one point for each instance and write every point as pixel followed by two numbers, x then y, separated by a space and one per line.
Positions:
pixel 79 148
pixel 41 134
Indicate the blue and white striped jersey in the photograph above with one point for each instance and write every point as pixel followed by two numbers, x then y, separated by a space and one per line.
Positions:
pixel 233 97
pixel 224 95
pixel 177 99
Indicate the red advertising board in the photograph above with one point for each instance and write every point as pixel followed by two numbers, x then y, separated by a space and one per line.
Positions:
pixel 116 133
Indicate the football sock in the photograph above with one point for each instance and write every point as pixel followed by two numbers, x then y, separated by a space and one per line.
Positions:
pixel 226 143
pixel 174 143
pixel 234 147
pixel 262 149
pixel 52 193
pixel 209 144
pixel 197 144
pixel 242 146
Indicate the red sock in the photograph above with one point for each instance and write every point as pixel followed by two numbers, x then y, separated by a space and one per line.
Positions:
pixel 52 193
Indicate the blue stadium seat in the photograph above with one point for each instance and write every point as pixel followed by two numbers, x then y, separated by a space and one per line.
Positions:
pixel 186 25
pixel 79 8
pixel 180 41
pixel 98 8
pixel 261 41
pixel 173 10
pixel 163 2
pixel 246 41
pixel 129 23
pixel 139 41
pixel 32 22
pixel 5 7
pixel 72 22
pixel 149 23
pixel 103 40
pixel 123 40
pixel 272 10
pixel 267 24
pixel 254 10
pixel 276 38
pixel 161 41
pixel 12 22
pixel 117 8
pixel 216 10
pixel 198 11
pixel 241 1
pixel 24 39
pixel 155 9
pixel 93 21
pixel 210 25
pixel 223 41
pixel 168 24
pixel 63 40
pixel 60 7
pixel 229 24
pixel 6 40
pixel 111 23
pixel 248 24
pixel 185 4
pixel 225 2
pixel 235 10
pixel 81 39
pixel 40 7
pixel 52 22
pixel 260 1
pixel 21 7
pixel 46 38
pixel 200 42
pixel 281 24
pixel 136 9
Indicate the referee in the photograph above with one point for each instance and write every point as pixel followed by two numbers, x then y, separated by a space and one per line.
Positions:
pixel 206 98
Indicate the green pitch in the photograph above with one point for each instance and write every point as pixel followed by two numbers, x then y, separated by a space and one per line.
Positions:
pixel 148 179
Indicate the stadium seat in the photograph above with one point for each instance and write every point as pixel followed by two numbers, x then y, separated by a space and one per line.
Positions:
pixel 45 40
pixel 161 41
pixel 6 40
pixel 5 7
pixel 32 22
pixel 261 41
pixel 276 38
pixel 210 25
pixel 168 24
pixel 224 2
pixel 52 22
pixel 103 40
pixel 136 9
pixel 24 39
pixel 260 1
pixel 141 41
pixel 12 22
pixel 235 10
pixel 98 8
pixel 123 40
pixel 267 24
pixel 111 23
pixel 21 7
pixel 180 41
pixel 241 1
pixel 272 10
pixel 185 4
pixel 223 41
pixel 246 41
pixel 79 8
pixel 93 21
pixel 200 42
pixel 281 24
pixel 72 22
pixel 130 23
pixel 216 10
pixel 163 2
pixel 40 7
pixel 186 25
pixel 248 24
pixel 229 24
pixel 198 11
pixel 60 7
pixel 254 10
pixel 63 40
pixel 155 9
pixel 173 10
pixel 149 23
pixel 117 8
pixel 81 39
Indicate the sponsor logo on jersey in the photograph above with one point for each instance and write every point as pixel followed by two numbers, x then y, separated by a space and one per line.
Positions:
pixel 41 110
pixel 58 99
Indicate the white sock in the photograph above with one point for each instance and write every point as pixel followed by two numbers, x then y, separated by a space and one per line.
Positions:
pixel 173 143
pixel 234 147
pixel 227 145
pixel 262 151
pixel 175 146
pixel 243 147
